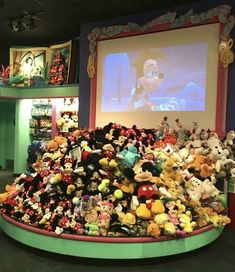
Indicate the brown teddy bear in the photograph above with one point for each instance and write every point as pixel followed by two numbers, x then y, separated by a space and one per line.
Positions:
pixel 200 166
pixel 170 170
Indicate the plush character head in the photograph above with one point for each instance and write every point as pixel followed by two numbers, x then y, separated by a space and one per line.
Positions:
pixel 142 171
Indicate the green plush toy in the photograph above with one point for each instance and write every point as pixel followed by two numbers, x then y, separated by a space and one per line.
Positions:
pixel 104 186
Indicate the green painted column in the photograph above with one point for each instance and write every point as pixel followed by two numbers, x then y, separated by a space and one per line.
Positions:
pixel 3 136
pixel 22 137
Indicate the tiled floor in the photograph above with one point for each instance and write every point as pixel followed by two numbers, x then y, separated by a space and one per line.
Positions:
pixel 15 257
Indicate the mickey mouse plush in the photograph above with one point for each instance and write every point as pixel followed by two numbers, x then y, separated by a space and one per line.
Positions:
pixel 145 190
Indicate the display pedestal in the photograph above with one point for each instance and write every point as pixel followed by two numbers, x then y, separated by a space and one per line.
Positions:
pixel 107 247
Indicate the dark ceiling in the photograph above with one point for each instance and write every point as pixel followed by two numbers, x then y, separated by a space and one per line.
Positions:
pixel 60 20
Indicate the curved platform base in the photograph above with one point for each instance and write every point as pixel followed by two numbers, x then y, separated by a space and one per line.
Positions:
pixel 107 247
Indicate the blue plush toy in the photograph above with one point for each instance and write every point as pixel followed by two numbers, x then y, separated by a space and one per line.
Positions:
pixel 129 156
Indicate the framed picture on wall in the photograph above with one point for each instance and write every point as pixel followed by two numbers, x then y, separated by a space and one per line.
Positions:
pixel 60 56
pixel 41 66
pixel 27 63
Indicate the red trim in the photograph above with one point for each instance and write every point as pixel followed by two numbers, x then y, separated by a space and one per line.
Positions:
pixel 93 94
pixel 221 102
pixel 104 239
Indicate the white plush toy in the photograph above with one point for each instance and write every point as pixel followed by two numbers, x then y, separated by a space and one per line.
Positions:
pixel 172 154
pixel 216 150
pixel 229 138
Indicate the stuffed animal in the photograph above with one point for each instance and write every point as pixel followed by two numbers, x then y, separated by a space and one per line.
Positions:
pixel 127 219
pixel 153 230
pixel 143 212
pixel 186 222
pixel 170 170
pixel 11 191
pixel 172 154
pixel 200 166
pixel 164 223
pixel 157 207
pixel 104 186
pixel 216 150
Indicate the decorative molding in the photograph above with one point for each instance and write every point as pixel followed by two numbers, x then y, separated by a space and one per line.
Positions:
pixel 221 14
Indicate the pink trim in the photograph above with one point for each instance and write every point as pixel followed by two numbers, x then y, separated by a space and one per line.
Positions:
pixel 93 90
pixel 104 239
pixel 54 130
pixel 221 101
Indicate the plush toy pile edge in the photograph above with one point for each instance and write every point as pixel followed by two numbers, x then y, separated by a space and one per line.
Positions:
pixel 119 181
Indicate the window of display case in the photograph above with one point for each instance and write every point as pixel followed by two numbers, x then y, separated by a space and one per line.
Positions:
pixel 40 124
pixel 51 117
pixel 67 115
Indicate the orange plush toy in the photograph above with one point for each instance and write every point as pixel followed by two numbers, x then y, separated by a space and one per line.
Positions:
pixel 10 191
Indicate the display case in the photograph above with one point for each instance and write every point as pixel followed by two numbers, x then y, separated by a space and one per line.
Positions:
pixel 40 123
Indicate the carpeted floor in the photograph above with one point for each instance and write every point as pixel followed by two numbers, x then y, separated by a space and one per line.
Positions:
pixel 15 257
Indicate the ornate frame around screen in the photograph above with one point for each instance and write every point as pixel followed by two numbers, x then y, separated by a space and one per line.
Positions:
pixel 169 21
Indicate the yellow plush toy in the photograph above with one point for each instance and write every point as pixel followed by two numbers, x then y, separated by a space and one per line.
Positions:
pixel 186 222
pixel 158 207
pixel 128 219
pixel 164 223
pixel 143 212
pixel 169 228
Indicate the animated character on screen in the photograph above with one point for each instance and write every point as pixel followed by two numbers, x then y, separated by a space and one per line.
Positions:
pixel 148 79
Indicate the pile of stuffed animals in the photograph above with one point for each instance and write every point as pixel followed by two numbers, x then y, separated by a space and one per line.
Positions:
pixel 68 121
pixel 119 181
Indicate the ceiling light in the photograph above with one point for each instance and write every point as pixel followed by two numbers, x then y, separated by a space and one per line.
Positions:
pixel 20 26
pixel 31 24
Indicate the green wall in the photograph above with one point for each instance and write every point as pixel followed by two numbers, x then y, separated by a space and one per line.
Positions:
pixel 7 131
pixel 22 137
